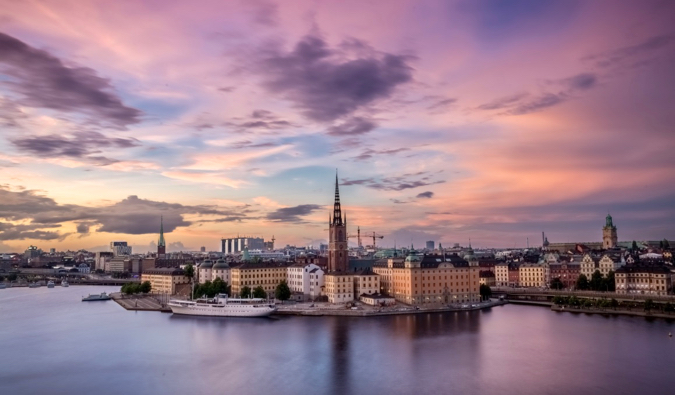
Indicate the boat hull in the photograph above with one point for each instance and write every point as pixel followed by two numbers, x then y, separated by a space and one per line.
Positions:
pixel 223 310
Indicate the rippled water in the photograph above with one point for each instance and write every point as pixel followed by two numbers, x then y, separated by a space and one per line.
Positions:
pixel 51 342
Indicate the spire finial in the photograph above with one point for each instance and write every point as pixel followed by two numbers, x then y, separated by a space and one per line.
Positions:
pixel 337 214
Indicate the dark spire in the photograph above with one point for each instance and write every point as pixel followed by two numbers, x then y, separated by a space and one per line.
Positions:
pixel 161 242
pixel 337 213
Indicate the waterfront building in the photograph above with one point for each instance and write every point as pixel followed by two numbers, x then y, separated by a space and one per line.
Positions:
pixel 610 263
pixel 305 280
pixel 588 266
pixel 486 277
pixel 653 279
pixel 171 281
pixel 161 243
pixel 514 276
pixel 609 237
pixel 533 275
pixel 567 272
pixel 254 274
pixel 83 268
pixel 222 270
pixel 339 282
pixel 118 264
pixel 204 271
pixel 377 300
pixel 366 282
pixel 339 287
pixel 429 279
pixel 236 245
pixel 502 274
pixel 120 248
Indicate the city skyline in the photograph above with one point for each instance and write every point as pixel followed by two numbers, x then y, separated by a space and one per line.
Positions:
pixel 448 121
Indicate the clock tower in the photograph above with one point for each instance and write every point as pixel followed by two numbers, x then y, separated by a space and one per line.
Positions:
pixel 337 237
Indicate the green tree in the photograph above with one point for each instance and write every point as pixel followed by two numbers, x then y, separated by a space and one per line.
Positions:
pixel 634 246
pixel 220 287
pixel 259 292
pixel 204 290
pixel 131 288
pixel 582 282
pixel 666 244
pixel 2 278
pixel 146 287
pixel 245 291
pixel 609 282
pixel 485 292
pixel 649 304
pixel 614 303
pixel 189 272
pixel 282 292
pixel 556 283
pixel 596 281
pixel 669 308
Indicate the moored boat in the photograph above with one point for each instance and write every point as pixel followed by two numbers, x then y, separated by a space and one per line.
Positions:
pixel 96 297
pixel 50 284
pixel 223 306
pixel 34 285
pixel 64 283
pixel 3 285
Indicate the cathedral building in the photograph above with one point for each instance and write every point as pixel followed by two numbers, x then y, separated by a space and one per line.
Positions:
pixel 609 238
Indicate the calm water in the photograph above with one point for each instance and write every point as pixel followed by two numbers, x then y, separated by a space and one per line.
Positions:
pixel 50 342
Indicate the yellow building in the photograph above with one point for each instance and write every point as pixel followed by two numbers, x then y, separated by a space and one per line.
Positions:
pixel 167 281
pixel 533 275
pixel 339 287
pixel 643 280
pixel 366 282
pixel 429 279
pixel 265 274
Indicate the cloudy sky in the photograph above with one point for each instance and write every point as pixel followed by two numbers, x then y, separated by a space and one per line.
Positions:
pixel 447 120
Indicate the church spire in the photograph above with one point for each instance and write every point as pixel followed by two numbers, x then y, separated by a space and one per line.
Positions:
pixel 161 242
pixel 337 213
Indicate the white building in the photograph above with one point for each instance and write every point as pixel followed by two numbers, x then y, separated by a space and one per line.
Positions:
pixel 607 263
pixel 588 266
pixel 120 248
pixel 204 271
pixel 83 268
pixel 221 269
pixel 238 244
pixel 306 280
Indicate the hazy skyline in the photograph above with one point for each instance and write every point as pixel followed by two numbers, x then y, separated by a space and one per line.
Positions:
pixel 486 120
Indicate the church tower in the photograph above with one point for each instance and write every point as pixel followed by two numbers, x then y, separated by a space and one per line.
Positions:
pixel 337 237
pixel 161 244
pixel 609 238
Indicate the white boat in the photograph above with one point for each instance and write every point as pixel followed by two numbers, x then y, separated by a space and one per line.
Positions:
pixel 50 284
pixel 222 306
pixel 64 283
pixel 34 285
pixel 95 297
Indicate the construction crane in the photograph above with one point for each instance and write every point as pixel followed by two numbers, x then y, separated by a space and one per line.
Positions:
pixel 357 235
pixel 375 236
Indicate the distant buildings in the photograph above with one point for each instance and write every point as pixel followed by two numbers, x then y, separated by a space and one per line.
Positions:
pixel 238 244
pixel 431 245
pixel 120 248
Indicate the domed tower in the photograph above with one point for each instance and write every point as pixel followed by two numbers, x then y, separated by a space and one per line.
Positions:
pixel 609 238
pixel 205 271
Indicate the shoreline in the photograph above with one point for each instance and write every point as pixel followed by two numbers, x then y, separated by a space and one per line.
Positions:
pixel 562 309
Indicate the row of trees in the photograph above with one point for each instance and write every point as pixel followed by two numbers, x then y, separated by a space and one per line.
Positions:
pixel 135 288
pixel 485 292
pixel 603 303
pixel 597 282
pixel 10 277
pixel 282 292
pixel 211 288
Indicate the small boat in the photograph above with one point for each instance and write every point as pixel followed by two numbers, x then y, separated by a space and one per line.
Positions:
pixel 34 285
pixel 64 283
pixel 3 285
pixel 50 284
pixel 95 297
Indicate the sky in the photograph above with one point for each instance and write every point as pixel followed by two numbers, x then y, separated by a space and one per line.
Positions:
pixel 451 121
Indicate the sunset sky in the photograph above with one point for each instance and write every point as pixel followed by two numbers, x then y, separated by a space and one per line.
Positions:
pixel 447 120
